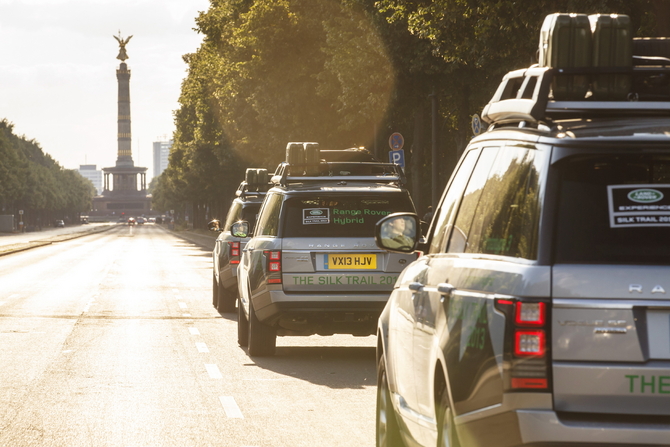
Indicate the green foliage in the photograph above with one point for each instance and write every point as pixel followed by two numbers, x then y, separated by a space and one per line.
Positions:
pixel 345 73
pixel 32 181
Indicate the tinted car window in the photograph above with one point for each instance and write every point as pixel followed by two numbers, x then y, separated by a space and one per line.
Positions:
pixel 268 221
pixel 340 215
pixel 466 212
pixel 613 209
pixel 507 215
pixel 234 214
pixel 448 207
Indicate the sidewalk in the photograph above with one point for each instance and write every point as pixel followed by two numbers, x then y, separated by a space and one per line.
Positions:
pixel 15 242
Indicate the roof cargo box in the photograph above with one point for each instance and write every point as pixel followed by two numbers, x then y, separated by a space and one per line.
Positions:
pixel 612 47
pixel 565 42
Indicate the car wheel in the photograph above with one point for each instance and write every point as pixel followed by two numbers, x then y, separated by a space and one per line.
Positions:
pixel 242 326
pixel 262 338
pixel 226 300
pixel 446 436
pixel 215 291
pixel 388 431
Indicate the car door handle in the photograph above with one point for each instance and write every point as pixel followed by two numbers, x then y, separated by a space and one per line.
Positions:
pixel 445 289
pixel 416 286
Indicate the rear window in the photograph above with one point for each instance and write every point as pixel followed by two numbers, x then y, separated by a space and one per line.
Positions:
pixel 340 215
pixel 614 210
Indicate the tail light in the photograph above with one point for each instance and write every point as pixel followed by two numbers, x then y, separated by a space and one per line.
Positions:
pixel 234 252
pixel 273 267
pixel 527 356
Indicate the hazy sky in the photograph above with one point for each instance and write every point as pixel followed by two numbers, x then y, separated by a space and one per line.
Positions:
pixel 58 72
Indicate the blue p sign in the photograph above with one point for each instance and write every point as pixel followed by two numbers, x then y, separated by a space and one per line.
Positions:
pixel 397 157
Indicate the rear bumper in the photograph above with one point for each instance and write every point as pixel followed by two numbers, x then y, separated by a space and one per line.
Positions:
pixel 304 314
pixel 511 427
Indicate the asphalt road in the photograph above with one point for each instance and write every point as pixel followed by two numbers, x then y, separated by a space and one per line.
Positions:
pixel 111 340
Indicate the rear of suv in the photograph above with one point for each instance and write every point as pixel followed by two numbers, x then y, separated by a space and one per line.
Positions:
pixel 228 247
pixel 312 266
pixel 539 314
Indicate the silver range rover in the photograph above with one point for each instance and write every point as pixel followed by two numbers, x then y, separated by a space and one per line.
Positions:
pixel 312 266
pixel 540 312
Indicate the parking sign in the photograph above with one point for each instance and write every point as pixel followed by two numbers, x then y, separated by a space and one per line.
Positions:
pixel 397 157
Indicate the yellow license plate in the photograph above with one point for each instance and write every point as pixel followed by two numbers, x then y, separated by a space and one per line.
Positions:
pixel 351 262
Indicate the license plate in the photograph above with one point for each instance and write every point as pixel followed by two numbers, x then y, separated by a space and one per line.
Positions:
pixel 351 262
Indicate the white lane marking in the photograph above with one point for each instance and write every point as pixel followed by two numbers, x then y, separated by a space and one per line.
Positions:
pixel 230 407
pixel 173 285
pixel 194 331
pixel 13 295
pixel 183 305
pixel 185 315
pixel 213 371
pixel 175 290
pixel 202 347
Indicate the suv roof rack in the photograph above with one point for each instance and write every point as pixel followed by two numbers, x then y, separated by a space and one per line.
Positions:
pixel 340 172
pixel 246 190
pixel 524 95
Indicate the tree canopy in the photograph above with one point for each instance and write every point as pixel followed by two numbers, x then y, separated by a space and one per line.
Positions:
pixel 347 73
pixel 32 181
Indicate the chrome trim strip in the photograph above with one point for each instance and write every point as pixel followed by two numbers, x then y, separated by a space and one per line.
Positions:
pixel 609 304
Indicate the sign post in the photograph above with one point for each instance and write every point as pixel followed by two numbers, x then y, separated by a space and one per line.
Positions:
pixel 397 154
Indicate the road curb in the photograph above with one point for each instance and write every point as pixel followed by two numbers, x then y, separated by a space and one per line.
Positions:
pixel 202 240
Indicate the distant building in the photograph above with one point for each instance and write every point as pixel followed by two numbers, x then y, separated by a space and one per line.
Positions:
pixel 93 174
pixel 161 156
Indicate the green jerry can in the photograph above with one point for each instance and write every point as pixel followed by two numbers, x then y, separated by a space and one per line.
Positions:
pixel 612 47
pixel 565 42
pixel 262 179
pixel 295 156
pixel 312 158
pixel 251 177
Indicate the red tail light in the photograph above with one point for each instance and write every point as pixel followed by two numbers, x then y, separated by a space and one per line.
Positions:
pixel 273 258
pixel 234 250
pixel 529 343
pixel 529 314
pixel 526 349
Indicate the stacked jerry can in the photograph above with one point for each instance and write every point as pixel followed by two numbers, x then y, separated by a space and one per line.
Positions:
pixel 303 158
pixel 256 179
pixel 574 41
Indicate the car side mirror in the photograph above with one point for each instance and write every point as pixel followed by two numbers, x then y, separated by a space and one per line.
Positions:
pixel 240 229
pixel 214 225
pixel 398 233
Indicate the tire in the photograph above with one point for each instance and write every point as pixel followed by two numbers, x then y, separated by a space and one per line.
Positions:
pixel 387 429
pixel 242 327
pixel 262 338
pixel 226 300
pixel 215 291
pixel 446 434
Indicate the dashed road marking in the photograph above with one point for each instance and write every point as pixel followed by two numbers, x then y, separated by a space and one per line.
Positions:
pixel 230 407
pixel 202 347
pixel 185 315
pixel 175 290
pixel 213 371
pixel 13 295
pixel 194 331
pixel 183 305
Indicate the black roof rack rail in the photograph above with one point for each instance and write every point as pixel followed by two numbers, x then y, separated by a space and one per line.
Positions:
pixel 523 95
pixel 341 172
pixel 245 190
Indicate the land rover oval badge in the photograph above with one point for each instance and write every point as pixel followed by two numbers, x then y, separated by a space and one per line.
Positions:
pixel 316 212
pixel 645 195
